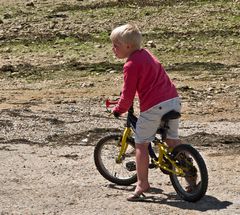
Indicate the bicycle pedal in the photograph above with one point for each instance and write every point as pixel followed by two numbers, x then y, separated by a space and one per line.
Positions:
pixel 131 166
pixel 152 166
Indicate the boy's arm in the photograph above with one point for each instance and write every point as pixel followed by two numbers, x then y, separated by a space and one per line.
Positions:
pixel 128 90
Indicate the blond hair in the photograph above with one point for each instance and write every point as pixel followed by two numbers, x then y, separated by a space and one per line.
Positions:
pixel 128 33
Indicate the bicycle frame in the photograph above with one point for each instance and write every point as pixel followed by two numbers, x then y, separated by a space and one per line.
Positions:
pixel 164 152
pixel 159 162
pixel 163 148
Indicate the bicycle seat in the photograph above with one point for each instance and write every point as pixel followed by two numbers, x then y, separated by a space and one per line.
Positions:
pixel 171 115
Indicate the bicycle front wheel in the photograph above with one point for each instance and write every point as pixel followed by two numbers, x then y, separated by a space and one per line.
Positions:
pixel 105 155
pixel 191 186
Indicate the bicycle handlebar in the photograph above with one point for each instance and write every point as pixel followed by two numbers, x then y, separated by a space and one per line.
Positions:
pixel 109 102
pixel 131 118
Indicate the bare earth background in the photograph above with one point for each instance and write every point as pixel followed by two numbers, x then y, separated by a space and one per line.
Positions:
pixel 56 70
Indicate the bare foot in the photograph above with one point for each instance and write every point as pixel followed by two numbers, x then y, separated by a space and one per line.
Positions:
pixel 141 189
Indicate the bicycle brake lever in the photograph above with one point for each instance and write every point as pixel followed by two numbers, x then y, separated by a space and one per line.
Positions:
pixel 108 102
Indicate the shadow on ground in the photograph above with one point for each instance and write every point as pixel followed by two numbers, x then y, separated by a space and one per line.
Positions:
pixel 205 204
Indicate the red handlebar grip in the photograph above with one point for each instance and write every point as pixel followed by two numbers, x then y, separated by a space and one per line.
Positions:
pixel 108 103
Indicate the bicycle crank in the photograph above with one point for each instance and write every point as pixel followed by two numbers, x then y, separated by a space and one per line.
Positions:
pixel 131 166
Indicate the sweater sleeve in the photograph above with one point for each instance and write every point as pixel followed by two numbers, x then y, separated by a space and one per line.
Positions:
pixel 129 88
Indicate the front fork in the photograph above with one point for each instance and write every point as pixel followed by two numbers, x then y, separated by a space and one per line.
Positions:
pixel 124 144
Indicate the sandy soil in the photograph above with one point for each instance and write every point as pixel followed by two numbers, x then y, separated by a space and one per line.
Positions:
pixel 47 163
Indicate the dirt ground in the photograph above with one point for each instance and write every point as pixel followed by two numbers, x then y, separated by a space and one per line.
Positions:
pixel 47 163
pixel 49 126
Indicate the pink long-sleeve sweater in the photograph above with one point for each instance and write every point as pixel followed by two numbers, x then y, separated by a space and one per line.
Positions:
pixel 144 75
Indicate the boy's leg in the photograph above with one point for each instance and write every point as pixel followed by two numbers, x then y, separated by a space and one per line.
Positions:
pixel 172 133
pixel 173 142
pixel 142 163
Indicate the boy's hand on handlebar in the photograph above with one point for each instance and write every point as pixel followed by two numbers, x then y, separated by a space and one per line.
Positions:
pixel 110 103
pixel 116 114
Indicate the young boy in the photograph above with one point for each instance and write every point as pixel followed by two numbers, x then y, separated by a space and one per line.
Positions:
pixel 144 75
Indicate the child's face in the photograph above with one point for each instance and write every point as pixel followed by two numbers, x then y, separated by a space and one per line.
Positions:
pixel 120 49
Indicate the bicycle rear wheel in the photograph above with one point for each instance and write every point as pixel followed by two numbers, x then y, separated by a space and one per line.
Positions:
pixel 193 186
pixel 105 154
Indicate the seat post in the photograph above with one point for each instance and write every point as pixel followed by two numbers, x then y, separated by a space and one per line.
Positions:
pixel 164 131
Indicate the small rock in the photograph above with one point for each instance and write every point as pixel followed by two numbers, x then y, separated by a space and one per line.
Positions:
pixel 59 54
pixel 30 4
pixel 98 46
pixel 58 102
pixel 69 102
pixel 185 88
pixel 58 15
pixel 1 22
pixel 7 16
pixel 210 89
pixel 147 13
pixel 56 121
pixel 8 68
pixel 8 50
pixel 62 35
pixel 71 156
pixel 52 25
pixel 87 85
pixel 151 44
pixel 84 140
pixel 112 71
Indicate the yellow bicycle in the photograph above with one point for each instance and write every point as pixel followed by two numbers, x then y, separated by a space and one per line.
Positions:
pixel 114 157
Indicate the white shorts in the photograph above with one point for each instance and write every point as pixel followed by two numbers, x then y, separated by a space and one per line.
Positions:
pixel 149 121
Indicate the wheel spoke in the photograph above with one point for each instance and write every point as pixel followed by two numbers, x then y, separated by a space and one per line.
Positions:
pixel 193 185
pixel 105 155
